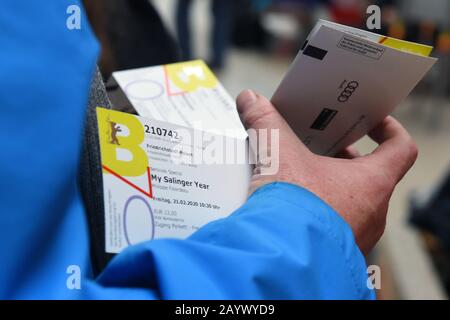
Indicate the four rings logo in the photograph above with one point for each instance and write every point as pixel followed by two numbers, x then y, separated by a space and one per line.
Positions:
pixel 348 91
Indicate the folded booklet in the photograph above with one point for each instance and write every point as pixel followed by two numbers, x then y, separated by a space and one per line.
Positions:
pixel 345 81
pixel 178 166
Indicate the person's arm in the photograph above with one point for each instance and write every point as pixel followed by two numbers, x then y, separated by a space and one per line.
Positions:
pixel 284 242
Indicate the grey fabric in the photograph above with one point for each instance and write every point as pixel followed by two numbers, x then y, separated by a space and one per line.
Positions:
pixel 137 35
pixel 90 175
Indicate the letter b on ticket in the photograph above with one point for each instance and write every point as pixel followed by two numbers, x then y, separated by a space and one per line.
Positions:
pixel 122 133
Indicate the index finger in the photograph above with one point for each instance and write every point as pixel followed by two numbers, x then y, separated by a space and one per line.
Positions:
pixel 397 151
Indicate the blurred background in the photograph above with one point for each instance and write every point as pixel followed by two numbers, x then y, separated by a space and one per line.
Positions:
pixel 250 44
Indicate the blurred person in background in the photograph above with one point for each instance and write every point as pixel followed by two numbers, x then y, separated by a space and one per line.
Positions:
pixel 430 213
pixel 348 12
pixel 430 206
pixel 303 12
pixel 220 36
pixel 131 34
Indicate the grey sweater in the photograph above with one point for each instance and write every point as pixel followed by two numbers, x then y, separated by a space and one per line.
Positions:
pixel 90 175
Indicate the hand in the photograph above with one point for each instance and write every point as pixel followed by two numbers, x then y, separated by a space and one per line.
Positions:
pixel 357 187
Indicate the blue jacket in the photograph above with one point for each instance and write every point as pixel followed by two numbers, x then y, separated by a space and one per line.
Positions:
pixel 283 243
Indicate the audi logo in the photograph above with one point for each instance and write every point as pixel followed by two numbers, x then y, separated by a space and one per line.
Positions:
pixel 348 91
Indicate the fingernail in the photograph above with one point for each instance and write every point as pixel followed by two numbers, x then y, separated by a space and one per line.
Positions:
pixel 245 98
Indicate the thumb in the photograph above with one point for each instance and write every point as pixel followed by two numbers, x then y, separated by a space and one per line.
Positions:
pixel 257 112
pixel 271 138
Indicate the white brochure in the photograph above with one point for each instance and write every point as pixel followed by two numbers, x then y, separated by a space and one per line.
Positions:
pixel 186 94
pixel 180 164
pixel 343 83
pixel 164 180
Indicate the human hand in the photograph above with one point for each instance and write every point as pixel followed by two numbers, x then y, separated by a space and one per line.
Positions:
pixel 357 187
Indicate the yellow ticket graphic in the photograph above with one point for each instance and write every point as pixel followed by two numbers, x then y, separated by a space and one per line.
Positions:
pixel 406 46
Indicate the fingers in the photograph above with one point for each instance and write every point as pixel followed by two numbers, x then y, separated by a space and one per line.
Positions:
pixel 349 153
pixel 396 152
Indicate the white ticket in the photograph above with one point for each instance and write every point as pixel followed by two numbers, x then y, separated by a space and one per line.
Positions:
pixel 186 94
pixel 164 180
pixel 343 83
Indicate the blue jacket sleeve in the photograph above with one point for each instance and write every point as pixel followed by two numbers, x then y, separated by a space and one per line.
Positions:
pixel 283 243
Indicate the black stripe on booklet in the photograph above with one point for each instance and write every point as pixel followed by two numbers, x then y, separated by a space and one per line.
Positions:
pixel 304 45
pixel 315 52
pixel 324 119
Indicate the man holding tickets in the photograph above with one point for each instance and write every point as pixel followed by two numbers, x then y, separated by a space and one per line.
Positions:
pixel 303 232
